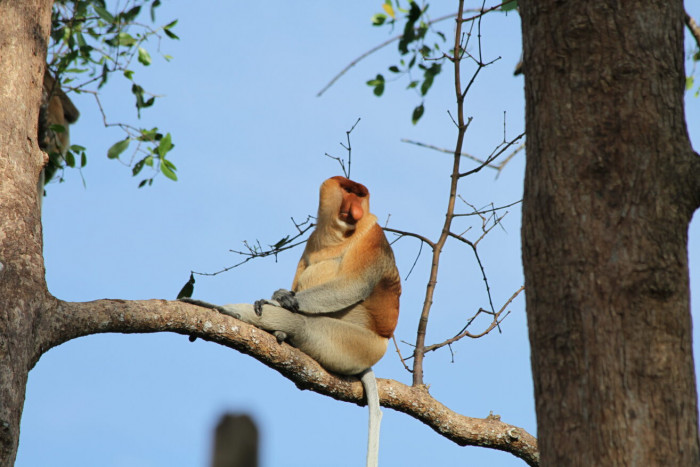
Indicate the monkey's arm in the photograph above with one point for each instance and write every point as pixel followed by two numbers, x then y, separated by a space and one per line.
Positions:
pixel 362 269
pixel 331 296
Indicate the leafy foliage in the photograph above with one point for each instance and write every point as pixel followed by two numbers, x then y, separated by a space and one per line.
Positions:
pixel 90 42
pixel 413 49
pixel 420 46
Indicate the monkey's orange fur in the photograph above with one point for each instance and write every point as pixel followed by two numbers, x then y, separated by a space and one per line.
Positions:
pixel 349 245
pixel 344 303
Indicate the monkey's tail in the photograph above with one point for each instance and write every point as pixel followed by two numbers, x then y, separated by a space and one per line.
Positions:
pixel 369 382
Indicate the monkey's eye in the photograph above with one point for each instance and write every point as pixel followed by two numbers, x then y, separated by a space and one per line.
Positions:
pixel 355 191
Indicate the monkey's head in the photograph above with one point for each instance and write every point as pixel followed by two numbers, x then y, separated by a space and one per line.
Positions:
pixel 343 200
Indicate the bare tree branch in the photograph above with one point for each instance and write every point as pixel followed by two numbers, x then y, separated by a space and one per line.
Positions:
pixel 67 320
pixel 497 320
pixel 403 233
pixel 693 27
pixel 445 150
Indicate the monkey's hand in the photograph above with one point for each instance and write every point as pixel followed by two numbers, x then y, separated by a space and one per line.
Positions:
pixel 282 298
pixel 286 299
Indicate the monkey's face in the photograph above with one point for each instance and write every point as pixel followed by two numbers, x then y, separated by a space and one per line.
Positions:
pixel 343 201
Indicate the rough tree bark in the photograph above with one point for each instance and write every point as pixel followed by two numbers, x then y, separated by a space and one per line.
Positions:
pixel 32 321
pixel 24 29
pixel 611 184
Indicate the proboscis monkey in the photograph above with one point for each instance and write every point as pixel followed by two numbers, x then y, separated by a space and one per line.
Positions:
pixel 56 113
pixel 344 303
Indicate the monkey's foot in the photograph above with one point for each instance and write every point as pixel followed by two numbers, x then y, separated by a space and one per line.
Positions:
pixel 221 309
pixel 258 305
pixel 280 335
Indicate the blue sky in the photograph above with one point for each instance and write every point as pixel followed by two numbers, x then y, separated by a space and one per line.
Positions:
pixel 250 135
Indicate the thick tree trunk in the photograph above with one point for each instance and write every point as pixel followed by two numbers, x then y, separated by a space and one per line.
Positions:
pixel 24 27
pixel 611 184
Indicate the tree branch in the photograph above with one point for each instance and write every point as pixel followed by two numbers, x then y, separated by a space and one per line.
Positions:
pixel 693 27
pixel 67 320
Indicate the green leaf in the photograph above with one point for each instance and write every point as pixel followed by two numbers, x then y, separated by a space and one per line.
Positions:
pixel 409 34
pixel 510 6
pixel 429 75
pixel 137 167
pixel 150 135
pixel 121 38
pixel 378 19
pixel 130 15
pixel 169 164
pixel 394 69
pixel 379 90
pixel 83 160
pixel 378 80
pixel 426 85
pixel 81 40
pixel 154 5
pixel 412 62
pixel 144 56
pixel 102 13
pixel 688 84
pixel 167 171
pixel 170 34
pixel 118 148
pixel 103 76
pixel 165 145
pixel 70 159
pixel 417 114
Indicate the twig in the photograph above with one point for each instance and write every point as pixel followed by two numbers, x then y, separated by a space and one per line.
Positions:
pixel 464 333
pixel 476 213
pixel 510 156
pixel 256 251
pixel 398 351
pixel 411 234
pixel 693 27
pixel 445 150
pixel 481 266
pixel 493 157
pixel 348 148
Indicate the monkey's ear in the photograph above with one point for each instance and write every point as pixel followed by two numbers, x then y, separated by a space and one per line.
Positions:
pixel 187 289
